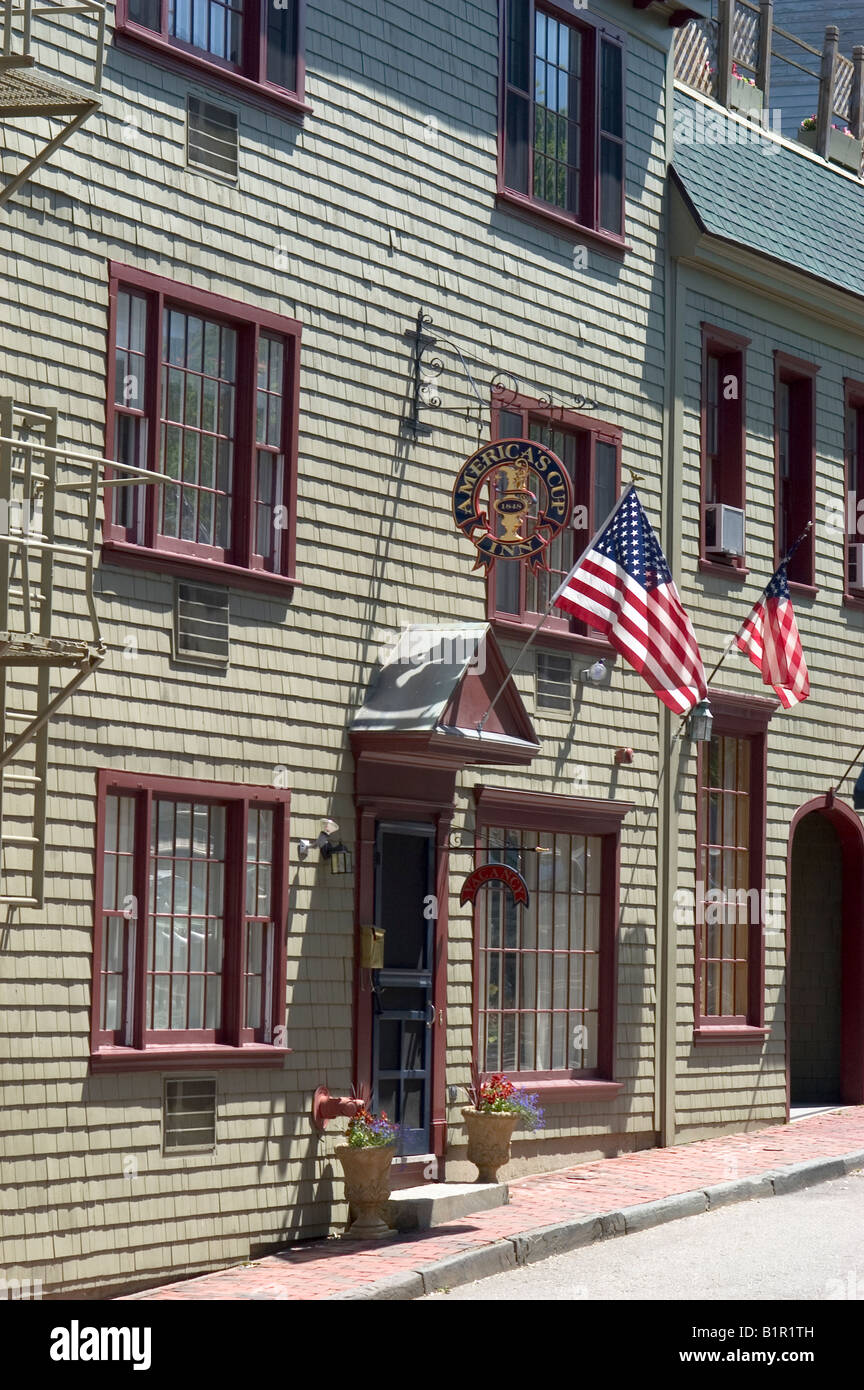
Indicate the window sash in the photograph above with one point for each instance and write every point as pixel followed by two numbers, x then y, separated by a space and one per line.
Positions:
pixel 794 414
pixel 726 873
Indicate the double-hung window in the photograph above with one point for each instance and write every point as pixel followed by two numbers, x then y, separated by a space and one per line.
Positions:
pixel 545 972
pixel 562 119
pixel 795 446
pixel 853 501
pixel 723 446
pixel 590 452
pixel 202 390
pixel 190 921
pixel 252 43
pixel 730 880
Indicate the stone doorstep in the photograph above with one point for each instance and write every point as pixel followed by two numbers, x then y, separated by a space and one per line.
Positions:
pixel 432 1204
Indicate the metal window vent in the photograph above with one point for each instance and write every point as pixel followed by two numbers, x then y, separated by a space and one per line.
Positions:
pixel 554 681
pixel 190 1113
pixel 211 138
pixel 201 624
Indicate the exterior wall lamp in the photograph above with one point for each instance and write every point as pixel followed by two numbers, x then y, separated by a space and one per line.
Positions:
pixel 339 855
pixel 699 723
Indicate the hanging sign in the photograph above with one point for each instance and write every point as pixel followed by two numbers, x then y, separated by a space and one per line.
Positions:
pixel 494 873
pixel 529 493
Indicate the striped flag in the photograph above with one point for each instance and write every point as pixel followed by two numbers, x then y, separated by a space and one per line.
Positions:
pixel 623 587
pixel 769 636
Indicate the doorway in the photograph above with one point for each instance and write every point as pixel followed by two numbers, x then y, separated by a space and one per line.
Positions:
pixel 825 984
pixel 403 990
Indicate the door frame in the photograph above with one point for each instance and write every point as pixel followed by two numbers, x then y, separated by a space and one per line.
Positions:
pixel 440 818
pixel 850 833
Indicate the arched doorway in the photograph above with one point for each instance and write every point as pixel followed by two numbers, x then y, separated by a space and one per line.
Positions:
pixel 825 956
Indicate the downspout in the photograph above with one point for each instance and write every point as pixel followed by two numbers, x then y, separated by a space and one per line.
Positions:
pixel 665 1078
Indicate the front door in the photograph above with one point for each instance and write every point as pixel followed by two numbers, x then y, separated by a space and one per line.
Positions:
pixel 404 1005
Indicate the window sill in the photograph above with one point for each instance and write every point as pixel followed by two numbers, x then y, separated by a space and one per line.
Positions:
pixel 803 590
pixel 560 221
pixel 562 641
pixel 733 572
pixel 114 1059
pixel 138 40
pixel 729 1033
pixel 570 1090
pixel 125 556
pixel 855 601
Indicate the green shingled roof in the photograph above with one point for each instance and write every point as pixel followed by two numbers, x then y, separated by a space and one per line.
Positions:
pixel 769 198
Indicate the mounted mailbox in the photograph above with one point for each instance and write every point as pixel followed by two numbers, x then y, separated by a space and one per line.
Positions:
pixel 372 948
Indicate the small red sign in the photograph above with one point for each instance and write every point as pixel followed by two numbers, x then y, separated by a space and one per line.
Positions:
pixel 494 873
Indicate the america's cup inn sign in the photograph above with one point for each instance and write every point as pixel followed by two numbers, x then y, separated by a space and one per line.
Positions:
pixel 526 487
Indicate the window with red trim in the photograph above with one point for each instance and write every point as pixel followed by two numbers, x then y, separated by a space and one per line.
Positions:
pixel 204 392
pixel 189 941
pixel 723 428
pixel 590 452
pixel 729 888
pixel 795 444
pixel 854 527
pixel 562 125
pixel 256 41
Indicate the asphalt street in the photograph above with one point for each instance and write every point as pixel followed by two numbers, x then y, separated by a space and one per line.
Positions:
pixel 808 1245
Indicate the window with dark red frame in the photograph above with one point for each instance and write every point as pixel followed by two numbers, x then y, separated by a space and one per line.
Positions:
pixel 257 42
pixel 590 452
pixel 562 127
pixel 723 425
pixel 853 527
pixel 202 390
pixel 795 444
pixel 730 880
pixel 189 939
pixel 545 972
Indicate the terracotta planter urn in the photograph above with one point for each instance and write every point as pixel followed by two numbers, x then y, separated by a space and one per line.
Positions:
pixel 367 1187
pixel 489 1135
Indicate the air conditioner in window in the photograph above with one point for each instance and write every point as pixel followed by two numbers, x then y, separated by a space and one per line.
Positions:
pixel 855 561
pixel 724 530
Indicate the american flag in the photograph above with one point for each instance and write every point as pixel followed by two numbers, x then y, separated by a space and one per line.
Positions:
pixel 769 636
pixel 623 587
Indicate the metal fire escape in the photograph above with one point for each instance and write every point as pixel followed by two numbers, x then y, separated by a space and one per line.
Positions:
pixel 29 93
pixel 49 511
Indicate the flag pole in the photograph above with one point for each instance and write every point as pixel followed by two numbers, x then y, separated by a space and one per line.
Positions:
pixel 543 616
pixel 787 557
pixel 849 769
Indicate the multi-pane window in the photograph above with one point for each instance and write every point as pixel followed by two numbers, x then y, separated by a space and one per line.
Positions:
pixel 203 393
pixel 198 428
pixel 794 423
pixel 854 491
pixel 563 117
pixel 231 34
pixel 723 437
pixel 589 453
pixel 539 966
pixel 192 894
pixel 730 904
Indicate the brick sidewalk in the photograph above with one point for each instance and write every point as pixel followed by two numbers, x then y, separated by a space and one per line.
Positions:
pixel 328 1268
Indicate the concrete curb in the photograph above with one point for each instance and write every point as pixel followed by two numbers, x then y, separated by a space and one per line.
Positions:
pixel 527 1247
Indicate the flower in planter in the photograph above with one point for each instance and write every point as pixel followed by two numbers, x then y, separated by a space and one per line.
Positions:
pixel 368 1131
pixel 750 81
pixel 809 123
pixel 498 1095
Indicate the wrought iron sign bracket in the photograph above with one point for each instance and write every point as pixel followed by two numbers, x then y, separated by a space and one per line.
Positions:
pixel 428 366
